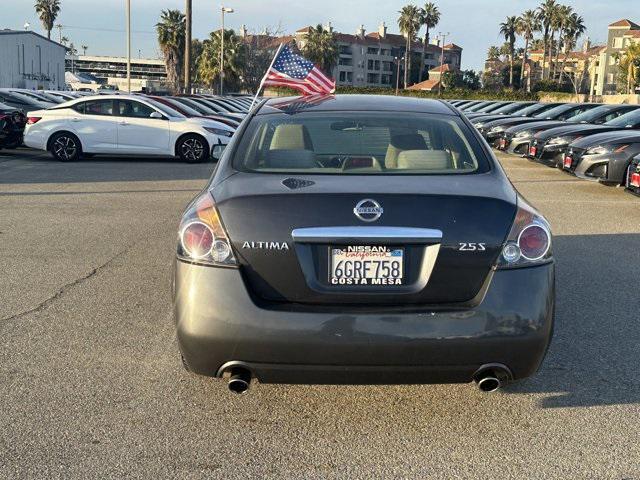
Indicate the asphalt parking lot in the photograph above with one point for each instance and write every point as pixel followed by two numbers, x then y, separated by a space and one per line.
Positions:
pixel 91 383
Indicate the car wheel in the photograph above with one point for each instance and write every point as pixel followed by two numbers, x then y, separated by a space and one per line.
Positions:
pixel 193 149
pixel 65 147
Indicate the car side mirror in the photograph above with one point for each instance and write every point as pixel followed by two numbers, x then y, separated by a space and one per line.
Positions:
pixel 156 115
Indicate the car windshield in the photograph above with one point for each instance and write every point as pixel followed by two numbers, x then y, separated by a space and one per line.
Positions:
pixel 183 106
pixel 628 120
pixel 535 109
pixel 359 143
pixel 168 111
pixel 591 115
pixel 551 113
pixel 510 108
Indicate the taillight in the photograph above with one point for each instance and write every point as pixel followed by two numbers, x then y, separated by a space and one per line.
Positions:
pixel 202 238
pixel 32 120
pixel 529 241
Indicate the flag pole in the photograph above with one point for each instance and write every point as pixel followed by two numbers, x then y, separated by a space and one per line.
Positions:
pixel 273 60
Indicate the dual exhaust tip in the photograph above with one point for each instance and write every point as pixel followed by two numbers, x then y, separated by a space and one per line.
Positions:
pixel 489 378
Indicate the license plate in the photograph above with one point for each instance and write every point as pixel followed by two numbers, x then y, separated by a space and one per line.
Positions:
pixel 567 162
pixel 502 144
pixel 533 151
pixel 374 265
pixel 635 180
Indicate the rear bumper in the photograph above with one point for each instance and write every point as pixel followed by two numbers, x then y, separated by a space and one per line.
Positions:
pixel 218 322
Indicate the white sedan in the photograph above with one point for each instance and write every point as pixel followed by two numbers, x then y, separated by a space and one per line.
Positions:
pixel 123 125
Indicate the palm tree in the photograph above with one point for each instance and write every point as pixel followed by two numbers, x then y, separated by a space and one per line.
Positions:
pixel 574 28
pixel 320 46
pixel 209 60
pixel 528 23
pixel 48 11
pixel 546 12
pixel 84 49
pixel 630 65
pixel 171 34
pixel 430 18
pixel 508 29
pixel 493 53
pixel 555 25
pixel 563 19
pixel 409 21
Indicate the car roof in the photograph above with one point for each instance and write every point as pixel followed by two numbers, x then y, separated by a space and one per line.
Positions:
pixel 332 103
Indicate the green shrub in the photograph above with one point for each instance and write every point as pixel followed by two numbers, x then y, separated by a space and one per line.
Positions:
pixel 551 86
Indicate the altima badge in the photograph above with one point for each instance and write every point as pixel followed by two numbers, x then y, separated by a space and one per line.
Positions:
pixel 368 210
pixel 266 245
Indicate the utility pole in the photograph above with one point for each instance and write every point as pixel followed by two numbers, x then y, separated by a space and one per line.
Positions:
pixel 397 59
pixel 187 48
pixel 444 36
pixel 129 46
pixel 223 10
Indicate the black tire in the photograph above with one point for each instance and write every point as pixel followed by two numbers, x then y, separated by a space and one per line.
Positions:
pixel 65 147
pixel 193 148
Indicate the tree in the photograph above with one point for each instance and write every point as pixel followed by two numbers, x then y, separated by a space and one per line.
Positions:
pixel 171 35
pixel 409 21
pixel 321 47
pixel 84 49
pixel 430 16
pixel 209 61
pixel 546 11
pixel 508 29
pixel 574 28
pixel 493 53
pixel 528 24
pixel 563 18
pixel 629 64
pixel 48 11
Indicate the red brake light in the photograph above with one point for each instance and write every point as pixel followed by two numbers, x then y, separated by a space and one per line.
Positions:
pixel 32 120
pixel 197 239
pixel 534 242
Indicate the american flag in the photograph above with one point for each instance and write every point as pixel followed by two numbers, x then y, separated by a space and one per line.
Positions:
pixel 293 71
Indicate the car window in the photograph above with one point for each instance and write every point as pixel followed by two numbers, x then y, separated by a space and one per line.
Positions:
pixel 129 108
pixel 359 143
pixel 98 107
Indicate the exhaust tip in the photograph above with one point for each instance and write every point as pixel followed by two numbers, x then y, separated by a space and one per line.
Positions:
pixel 489 384
pixel 492 376
pixel 239 381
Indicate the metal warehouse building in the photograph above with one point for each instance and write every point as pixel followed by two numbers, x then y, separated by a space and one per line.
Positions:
pixel 29 60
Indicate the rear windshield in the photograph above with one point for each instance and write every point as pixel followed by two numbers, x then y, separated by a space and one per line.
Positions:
pixel 359 143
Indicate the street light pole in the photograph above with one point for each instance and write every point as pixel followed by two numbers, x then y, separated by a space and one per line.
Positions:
pixel 223 10
pixel 444 36
pixel 187 48
pixel 129 46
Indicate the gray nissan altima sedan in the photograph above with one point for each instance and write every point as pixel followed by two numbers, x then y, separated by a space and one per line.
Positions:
pixel 362 240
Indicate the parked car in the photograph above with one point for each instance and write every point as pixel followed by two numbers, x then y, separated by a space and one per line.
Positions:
pixel 516 138
pixel 507 108
pixel 12 122
pixel 22 102
pixel 211 107
pixel 323 237
pixel 492 126
pixel 604 157
pixel 633 176
pixel 548 146
pixel 123 125
pixel 187 111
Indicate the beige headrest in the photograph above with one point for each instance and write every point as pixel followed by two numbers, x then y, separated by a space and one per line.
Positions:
pixel 291 137
pixel 424 160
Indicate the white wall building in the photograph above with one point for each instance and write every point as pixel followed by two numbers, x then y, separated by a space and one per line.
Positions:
pixel 29 60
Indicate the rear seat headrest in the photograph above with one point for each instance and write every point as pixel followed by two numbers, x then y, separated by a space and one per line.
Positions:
pixel 424 160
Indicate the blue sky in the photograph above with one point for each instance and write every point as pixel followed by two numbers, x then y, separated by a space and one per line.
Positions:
pixel 473 24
